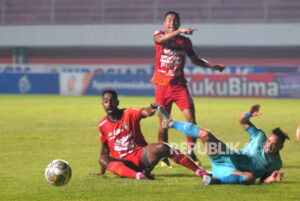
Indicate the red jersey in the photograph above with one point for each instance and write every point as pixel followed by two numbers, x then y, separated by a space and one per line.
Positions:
pixel 170 59
pixel 124 136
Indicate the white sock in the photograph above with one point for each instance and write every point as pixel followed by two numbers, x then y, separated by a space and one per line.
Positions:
pixel 138 175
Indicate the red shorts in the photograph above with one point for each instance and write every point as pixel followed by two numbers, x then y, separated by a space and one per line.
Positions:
pixel 136 158
pixel 165 95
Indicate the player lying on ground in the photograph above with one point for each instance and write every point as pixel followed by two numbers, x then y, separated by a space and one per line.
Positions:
pixel 260 158
pixel 124 150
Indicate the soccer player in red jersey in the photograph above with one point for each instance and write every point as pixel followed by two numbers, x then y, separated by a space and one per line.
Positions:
pixel 170 84
pixel 124 150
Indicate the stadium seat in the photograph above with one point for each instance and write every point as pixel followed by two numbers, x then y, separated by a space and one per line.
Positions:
pixel 77 12
pixel 145 11
pixel 237 10
pixel 191 11
pixel 27 12
pixel 128 11
pixel 285 10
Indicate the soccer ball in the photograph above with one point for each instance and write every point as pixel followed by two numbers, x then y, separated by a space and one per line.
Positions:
pixel 58 172
pixel 298 132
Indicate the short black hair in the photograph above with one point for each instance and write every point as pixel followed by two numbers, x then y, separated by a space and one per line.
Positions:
pixel 173 13
pixel 279 133
pixel 113 92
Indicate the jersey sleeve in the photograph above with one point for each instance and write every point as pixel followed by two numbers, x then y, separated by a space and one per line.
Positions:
pixel 255 132
pixel 158 32
pixel 188 45
pixel 102 133
pixel 264 176
pixel 136 113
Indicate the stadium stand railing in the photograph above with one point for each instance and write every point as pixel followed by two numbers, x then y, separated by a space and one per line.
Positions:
pixel 25 12
pixel 284 10
pixel 145 11
pixel 77 11
pixel 237 10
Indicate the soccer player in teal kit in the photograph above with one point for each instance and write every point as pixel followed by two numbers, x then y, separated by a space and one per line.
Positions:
pixel 259 159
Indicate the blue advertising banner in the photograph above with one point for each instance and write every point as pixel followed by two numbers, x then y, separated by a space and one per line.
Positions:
pixel 228 85
pixel 270 85
pixel 244 69
pixel 29 83
pixel 249 85
pixel 116 69
pixel 136 85
pixel 289 86
pixel 143 69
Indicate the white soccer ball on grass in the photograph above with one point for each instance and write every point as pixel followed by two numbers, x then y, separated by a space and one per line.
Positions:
pixel 58 172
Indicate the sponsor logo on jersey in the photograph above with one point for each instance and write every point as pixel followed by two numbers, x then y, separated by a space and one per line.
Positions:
pixel 125 125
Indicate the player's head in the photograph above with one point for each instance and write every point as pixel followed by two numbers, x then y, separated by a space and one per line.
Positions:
pixel 172 21
pixel 110 100
pixel 275 141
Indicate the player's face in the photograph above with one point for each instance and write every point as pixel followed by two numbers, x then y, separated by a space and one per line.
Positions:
pixel 109 103
pixel 171 23
pixel 273 144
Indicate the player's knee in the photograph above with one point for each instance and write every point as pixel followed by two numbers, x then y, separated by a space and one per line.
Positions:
pixel 250 178
pixel 103 161
pixel 191 120
pixel 162 131
pixel 162 149
pixel 189 115
pixel 204 134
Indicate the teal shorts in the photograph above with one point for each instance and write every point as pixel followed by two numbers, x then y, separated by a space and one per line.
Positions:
pixel 222 164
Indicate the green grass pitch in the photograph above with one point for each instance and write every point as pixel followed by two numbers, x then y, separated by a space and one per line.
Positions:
pixel 36 129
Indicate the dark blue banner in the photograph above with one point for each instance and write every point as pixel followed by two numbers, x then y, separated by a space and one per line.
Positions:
pixel 245 69
pixel 137 85
pixel 29 83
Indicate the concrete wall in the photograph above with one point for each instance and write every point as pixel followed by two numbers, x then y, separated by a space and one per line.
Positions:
pixel 286 34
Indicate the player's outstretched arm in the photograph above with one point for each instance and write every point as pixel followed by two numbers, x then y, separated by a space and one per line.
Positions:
pixel 103 160
pixel 162 38
pixel 203 63
pixel 276 176
pixel 149 111
pixel 244 118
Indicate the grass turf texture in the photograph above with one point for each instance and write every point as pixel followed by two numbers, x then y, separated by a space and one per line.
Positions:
pixel 35 130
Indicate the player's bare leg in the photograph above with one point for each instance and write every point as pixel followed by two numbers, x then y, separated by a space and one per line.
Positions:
pixel 103 162
pixel 156 151
pixel 191 130
pixel 236 177
pixel 189 115
pixel 121 167
pixel 210 142
pixel 163 137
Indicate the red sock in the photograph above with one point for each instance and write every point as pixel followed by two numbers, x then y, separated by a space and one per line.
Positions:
pixel 118 168
pixel 191 143
pixel 162 135
pixel 180 158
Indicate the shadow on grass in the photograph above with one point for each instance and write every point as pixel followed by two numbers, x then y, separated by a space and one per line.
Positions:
pixel 175 175
pixel 291 167
pixel 290 182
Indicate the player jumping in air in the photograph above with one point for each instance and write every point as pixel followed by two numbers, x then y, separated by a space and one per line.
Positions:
pixel 124 150
pixel 170 84
pixel 260 158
